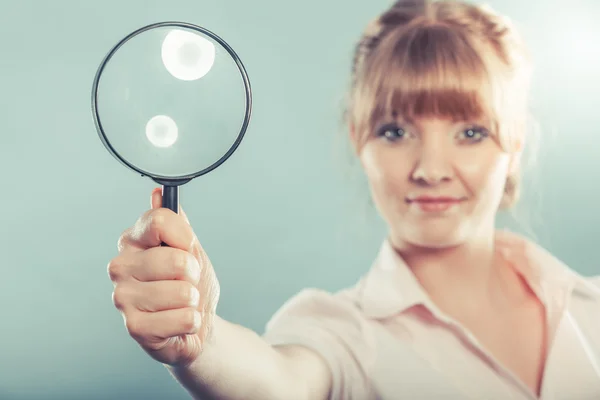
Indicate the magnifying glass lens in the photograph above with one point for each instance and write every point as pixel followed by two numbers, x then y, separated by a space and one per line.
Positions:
pixel 172 101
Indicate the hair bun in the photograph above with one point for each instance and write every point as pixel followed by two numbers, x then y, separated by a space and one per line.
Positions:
pixel 403 11
pixel 410 4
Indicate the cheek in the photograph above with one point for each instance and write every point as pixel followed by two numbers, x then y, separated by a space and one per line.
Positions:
pixel 386 173
pixel 485 173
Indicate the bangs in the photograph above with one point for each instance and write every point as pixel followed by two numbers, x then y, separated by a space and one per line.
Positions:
pixel 423 71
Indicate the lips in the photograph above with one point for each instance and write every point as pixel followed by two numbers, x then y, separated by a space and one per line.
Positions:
pixel 435 204
pixel 432 199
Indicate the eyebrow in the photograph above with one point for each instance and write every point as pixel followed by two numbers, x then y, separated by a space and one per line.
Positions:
pixel 408 120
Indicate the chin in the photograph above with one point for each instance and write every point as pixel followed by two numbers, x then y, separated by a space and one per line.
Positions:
pixel 433 235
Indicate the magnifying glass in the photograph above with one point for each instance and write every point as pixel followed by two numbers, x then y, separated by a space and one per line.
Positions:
pixel 171 101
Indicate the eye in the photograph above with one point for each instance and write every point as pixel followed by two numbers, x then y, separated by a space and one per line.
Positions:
pixel 474 134
pixel 391 132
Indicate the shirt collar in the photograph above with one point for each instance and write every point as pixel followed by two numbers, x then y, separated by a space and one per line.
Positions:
pixel 390 287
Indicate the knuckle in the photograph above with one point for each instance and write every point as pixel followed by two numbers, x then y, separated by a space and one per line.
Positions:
pixel 114 269
pixel 118 297
pixel 133 324
pixel 179 263
pixel 123 239
pixel 156 220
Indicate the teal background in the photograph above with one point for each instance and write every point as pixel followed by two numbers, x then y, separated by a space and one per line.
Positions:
pixel 290 208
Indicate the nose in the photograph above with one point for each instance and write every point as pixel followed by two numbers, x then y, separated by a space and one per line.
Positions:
pixel 433 165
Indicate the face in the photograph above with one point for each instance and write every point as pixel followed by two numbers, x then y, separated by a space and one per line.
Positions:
pixel 436 182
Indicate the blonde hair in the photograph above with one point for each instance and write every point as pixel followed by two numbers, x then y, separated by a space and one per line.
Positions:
pixel 444 58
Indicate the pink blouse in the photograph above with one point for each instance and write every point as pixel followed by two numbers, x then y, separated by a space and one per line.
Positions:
pixel 381 342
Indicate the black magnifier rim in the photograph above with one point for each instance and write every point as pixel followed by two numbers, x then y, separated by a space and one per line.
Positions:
pixel 100 129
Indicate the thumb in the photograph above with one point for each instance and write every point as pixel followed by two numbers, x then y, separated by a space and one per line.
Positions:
pixel 156 202
pixel 156 198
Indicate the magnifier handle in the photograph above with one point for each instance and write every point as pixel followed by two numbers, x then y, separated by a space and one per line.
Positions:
pixel 170 200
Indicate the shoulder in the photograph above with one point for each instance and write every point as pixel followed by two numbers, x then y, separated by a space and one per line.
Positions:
pixel 590 286
pixel 594 281
pixel 585 302
pixel 332 327
pixel 318 306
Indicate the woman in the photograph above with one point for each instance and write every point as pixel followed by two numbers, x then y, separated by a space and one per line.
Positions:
pixel 451 308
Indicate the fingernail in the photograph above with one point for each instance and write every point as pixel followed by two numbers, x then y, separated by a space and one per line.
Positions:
pixel 197 321
pixel 194 268
pixel 195 297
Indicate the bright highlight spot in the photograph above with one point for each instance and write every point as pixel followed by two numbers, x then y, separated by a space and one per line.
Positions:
pixel 187 56
pixel 162 131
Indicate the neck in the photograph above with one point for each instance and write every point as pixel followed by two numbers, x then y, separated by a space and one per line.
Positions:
pixel 465 277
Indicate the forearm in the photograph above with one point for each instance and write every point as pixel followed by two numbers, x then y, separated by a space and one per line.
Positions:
pixel 237 365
